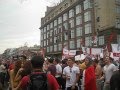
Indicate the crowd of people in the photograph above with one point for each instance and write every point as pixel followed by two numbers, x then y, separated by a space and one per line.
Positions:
pixel 66 74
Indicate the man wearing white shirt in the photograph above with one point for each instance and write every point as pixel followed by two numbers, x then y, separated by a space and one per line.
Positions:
pixel 71 74
pixel 58 71
pixel 108 70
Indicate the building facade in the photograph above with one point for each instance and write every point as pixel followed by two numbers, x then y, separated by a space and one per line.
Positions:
pixel 77 23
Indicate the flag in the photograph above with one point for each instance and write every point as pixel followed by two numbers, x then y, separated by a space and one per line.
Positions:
pixel 116 50
pixel 72 53
pixel 65 52
pixel 94 40
pixel 90 79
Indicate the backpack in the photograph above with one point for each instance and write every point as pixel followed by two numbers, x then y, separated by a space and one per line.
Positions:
pixel 38 82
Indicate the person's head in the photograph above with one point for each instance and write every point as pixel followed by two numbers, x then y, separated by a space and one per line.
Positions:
pixel 107 60
pixel 27 68
pixel 119 68
pixel 70 61
pixel 23 57
pixel 88 61
pixel 56 61
pixel 17 66
pixel 37 62
pixel 95 61
pixel 50 60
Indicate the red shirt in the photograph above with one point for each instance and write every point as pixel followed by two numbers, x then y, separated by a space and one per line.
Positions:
pixel 11 66
pixel 51 81
pixel 90 79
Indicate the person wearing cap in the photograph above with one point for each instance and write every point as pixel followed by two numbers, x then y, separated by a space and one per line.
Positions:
pixel 89 78
pixel 115 80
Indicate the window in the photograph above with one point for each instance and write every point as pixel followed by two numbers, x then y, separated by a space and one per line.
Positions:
pixel 65 26
pixel 48 49
pixel 47 42
pixel 60 38
pixel 66 36
pixel 48 27
pixel 72 44
pixel 101 40
pixel 88 28
pixel 51 40
pixel 88 41
pixel 72 34
pixel 55 39
pixel 47 34
pixel 65 17
pixel 78 43
pixel 117 23
pixel 71 23
pixel 41 37
pixel 87 16
pixel 51 48
pixel 78 9
pixel 51 25
pixel 44 36
pixel 55 23
pixel 79 31
pixel 41 44
pixel 51 33
pixel 60 47
pixel 78 20
pixel 55 31
pixel 45 29
pixel 87 4
pixel 55 47
pixel 44 43
pixel 118 39
pixel 117 0
pixel 59 20
pixel 59 29
pixel 42 31
pixel 117 9
pixel 71 13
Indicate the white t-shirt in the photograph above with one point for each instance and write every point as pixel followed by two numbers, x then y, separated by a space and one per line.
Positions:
pixel 72 73
pixel 58 70
pixel 108 71
pixel 2 68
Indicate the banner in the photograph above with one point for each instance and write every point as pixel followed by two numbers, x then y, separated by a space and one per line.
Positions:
pixel 72 53
pixel 116 50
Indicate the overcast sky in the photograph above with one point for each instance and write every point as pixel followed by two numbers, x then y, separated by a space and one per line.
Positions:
pixel 20 22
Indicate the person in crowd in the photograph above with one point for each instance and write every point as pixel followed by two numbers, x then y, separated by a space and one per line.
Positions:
pixel 108 71
pixel 115 80
pixel 37 67
pixel 89 78
pixel 58 71
pixel 24 71
pixel 82 65
pixel 45 65
pixel 98 73
pixel 13 73
pixel 23 59
pixel 64 64
pixel 2 73
pixel 71 74
pixel 51 67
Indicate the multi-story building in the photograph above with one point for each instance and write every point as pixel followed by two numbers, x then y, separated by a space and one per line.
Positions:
pixel 75 23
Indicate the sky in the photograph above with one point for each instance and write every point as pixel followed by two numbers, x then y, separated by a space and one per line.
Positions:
pixel 20 22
